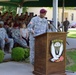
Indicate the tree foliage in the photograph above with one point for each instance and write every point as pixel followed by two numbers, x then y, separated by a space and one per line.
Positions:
pixel 12 9
pixel 9 9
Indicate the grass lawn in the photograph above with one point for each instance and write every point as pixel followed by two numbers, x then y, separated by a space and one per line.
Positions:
pixel 72 55
pixel 72 33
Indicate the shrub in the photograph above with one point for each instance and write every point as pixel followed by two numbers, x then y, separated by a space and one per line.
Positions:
pixel 27 53
pixel 18 54
pixel 1 56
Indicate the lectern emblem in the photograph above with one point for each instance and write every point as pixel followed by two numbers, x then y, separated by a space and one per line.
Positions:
pixel 57 50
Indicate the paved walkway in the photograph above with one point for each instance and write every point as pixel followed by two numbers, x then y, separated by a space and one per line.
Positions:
pixel 15 68
pixel 71 73
pixel 72 43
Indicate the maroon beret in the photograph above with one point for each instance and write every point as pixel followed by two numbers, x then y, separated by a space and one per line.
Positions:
pixel 16 25
pixel 43 11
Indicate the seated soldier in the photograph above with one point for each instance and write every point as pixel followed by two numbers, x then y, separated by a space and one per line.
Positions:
pixel 17 37
pixel 24 32
pixel 4 39
pixel 9 29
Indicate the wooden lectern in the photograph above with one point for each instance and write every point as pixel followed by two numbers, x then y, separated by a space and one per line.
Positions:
pixel 47 58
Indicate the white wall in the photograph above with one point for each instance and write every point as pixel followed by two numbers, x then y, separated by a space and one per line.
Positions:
pixel 49 14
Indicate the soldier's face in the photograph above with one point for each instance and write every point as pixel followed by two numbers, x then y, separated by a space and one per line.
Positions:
pixel 42 15
pixel 23 26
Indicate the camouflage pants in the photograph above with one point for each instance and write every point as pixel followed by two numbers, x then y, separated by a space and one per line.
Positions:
pixel 21 42
pixel 32 44
pixel 10 41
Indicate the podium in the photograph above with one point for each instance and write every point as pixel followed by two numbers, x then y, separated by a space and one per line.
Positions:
pixel 50 53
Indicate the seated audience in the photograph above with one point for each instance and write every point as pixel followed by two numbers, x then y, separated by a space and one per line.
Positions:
pixel 4 39
pixel 17 37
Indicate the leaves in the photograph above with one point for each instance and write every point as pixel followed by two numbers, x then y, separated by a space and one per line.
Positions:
pixel 12 9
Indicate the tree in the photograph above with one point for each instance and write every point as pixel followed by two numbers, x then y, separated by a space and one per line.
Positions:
pixel 12 9
pixel 9 9
pixel 25 9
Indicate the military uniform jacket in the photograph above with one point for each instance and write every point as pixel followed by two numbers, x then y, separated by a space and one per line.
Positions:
pixel 3 33
pixel 38 25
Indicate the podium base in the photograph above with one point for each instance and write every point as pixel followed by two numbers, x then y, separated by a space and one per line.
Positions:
pixel 37 73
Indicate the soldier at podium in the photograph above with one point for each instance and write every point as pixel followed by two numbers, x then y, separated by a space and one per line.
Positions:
pixel 37 26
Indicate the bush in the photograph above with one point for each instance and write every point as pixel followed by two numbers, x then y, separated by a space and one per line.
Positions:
pixel 27 53
pixel 1 56
pixel 18 54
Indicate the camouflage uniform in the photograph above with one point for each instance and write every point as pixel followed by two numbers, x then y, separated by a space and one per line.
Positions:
pixel 38 26
pixel 3 36
pixel 18 38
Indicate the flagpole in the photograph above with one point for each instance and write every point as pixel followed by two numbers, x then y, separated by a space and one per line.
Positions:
pixel 55 14
pixel 63 15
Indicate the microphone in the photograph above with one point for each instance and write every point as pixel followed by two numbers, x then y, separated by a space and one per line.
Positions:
pixel 51 23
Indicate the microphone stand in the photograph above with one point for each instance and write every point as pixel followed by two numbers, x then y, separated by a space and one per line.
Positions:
pixel 56 29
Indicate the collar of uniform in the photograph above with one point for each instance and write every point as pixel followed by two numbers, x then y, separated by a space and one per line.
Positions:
pixel 41 19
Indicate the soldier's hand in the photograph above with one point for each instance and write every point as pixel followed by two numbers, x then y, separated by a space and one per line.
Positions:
pixel 6 39
pixel 32 31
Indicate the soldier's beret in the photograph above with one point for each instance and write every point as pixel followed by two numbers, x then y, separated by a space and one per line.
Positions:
pixel 43 11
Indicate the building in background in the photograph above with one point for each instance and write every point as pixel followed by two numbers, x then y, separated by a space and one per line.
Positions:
pixel 70 14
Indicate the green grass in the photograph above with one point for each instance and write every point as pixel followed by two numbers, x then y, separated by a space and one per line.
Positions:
pixel 71 34
pixel 72 55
